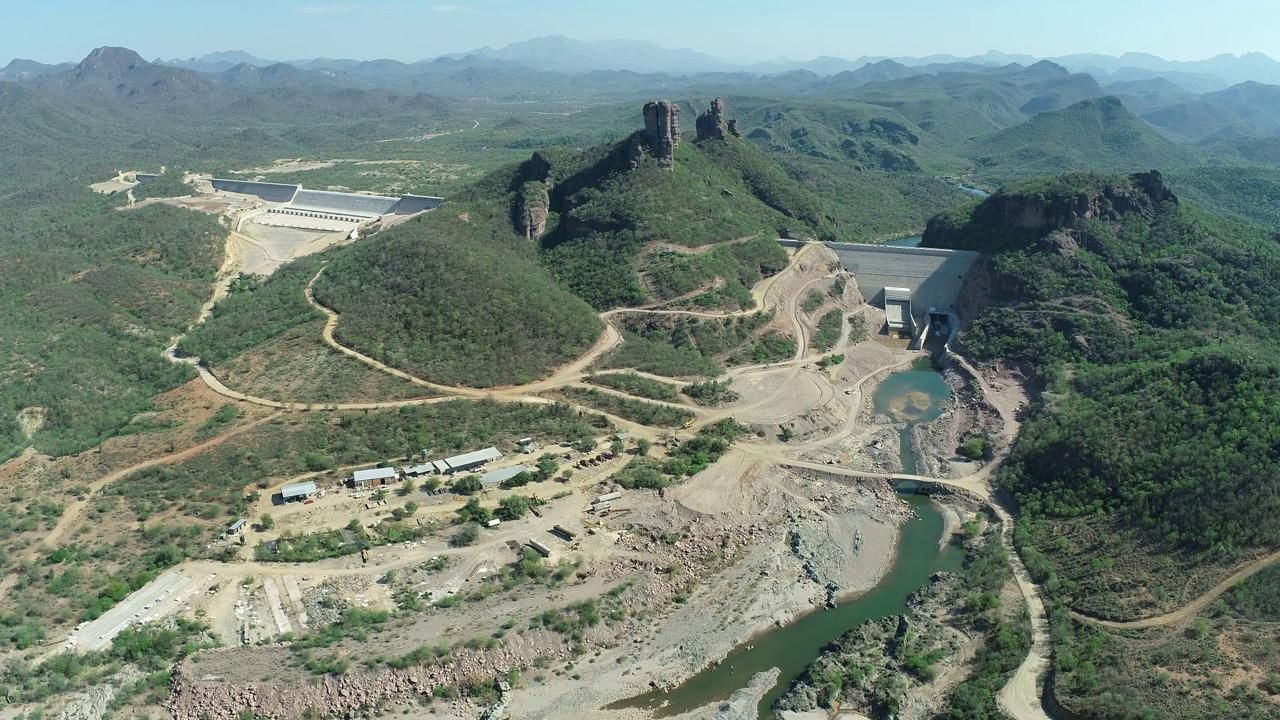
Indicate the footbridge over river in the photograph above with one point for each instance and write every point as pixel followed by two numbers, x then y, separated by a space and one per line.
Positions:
pixel 931 277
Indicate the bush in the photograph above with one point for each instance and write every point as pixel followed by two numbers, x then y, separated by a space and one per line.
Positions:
pixel 976 448
pixel 466 535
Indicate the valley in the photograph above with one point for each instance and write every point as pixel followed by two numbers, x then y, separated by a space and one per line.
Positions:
pixel 477 388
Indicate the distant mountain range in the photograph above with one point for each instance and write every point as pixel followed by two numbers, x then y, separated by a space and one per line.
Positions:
pixel 565 55
pixel 951 100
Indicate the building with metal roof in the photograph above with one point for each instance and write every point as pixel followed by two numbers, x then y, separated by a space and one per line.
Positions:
pixel 298 491
pixel 472 460
pixel 416 470
pixel 375 476
pixel 497 477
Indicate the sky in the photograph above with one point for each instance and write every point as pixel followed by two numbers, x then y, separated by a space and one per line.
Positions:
pixel 59 30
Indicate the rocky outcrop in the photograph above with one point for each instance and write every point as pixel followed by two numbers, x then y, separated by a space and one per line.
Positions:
pixel 533 207
pixel 662 130
pixel 1021 217
pixel 533 199
pixel 713 125
pixel 193 697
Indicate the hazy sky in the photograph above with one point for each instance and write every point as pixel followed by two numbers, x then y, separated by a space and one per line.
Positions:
pixel 55 30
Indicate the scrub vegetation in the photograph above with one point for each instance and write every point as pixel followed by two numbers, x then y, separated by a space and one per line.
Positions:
pixel 1156 323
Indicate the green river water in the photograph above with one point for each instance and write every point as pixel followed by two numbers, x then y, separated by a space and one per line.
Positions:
pixel 912 396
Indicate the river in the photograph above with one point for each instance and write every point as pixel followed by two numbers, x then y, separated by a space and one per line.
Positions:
pixel 913 396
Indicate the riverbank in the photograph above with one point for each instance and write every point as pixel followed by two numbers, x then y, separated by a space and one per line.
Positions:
pixel 848 532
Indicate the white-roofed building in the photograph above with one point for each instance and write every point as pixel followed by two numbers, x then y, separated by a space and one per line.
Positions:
pixel 472 460
pixel 494 478
pixel 298 491
pixel 375 477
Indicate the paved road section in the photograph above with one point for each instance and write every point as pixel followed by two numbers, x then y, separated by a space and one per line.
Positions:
pixel 156 599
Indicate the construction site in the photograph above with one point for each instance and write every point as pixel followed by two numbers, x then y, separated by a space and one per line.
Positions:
pixel 600 592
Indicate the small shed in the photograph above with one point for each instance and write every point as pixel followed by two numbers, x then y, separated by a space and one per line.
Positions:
pixel 235 528
pixel 298 491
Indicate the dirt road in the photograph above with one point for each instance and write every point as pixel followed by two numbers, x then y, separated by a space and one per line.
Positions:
pixel 1193 608
pixel 72 515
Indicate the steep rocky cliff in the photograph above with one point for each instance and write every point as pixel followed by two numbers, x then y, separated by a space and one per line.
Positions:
pixel 662 130
pixel 533 200
pixel 1033 211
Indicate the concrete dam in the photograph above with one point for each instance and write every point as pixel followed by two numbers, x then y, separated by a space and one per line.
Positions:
pixel 919 280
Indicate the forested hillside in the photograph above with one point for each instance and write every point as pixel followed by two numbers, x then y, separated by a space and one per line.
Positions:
pixel 87 304
pixel 455 297
pixel 603 212
pixel 1153 329
pixel 1099 135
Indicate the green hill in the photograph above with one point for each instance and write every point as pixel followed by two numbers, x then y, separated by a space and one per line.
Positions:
pixel 1246 110
pixel 1147 463
pixel 478 292
pixel 1095 135
pixel 456 298
pixel 875 170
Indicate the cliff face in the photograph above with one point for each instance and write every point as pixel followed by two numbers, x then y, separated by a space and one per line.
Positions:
pixel 533 202
pixel 662 130
pixel 1027 214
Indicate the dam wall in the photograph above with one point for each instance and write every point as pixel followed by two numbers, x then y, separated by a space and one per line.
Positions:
pixel 271 192
pixel 932 275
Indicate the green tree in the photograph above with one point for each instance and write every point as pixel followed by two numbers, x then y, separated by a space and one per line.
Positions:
pixel 473 511
pixel 547 467
pixel 266 522
pixel 643 446
pixel 468 485
pixel 514 507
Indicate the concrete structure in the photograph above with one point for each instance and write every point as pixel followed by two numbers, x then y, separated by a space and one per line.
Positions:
pixel 471 460
pixel 497 477
pixel 323 209
pixel 342 203
pixel 375 477
pixel 897 310
pixel 298 491
pixel 933 277
pixel 164 596
pixel 410 204
pixel 144 177
pixel 270 192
